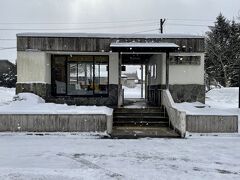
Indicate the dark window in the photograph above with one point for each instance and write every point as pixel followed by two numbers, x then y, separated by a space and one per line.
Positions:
pixel 59 75
pixel 101 75
pixel 84 75
pixel 194 60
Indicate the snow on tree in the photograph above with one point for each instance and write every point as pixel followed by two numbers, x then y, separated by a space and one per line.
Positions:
pixel 223 52
pixel 9 78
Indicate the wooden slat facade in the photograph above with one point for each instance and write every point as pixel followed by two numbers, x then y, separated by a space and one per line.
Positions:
pixel 96 44
pixel 53 123
pixel 212 124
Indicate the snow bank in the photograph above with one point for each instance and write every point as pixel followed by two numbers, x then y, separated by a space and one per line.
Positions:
pixel 28 103
pixel 223 98
pixel 223 101
pixel 198 108
pixel 28 98
pixel 6 95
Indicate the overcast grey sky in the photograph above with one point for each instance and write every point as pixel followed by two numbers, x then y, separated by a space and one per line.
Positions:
pixel 108 16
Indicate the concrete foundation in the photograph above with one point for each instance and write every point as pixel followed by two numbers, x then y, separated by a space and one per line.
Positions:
pixel 41 89
pixel 187 93
pixel 55 123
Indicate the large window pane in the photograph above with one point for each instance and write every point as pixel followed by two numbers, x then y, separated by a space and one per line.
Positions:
pixel 101 75
pixel 80 78
pixel 59 77
pixel 80 75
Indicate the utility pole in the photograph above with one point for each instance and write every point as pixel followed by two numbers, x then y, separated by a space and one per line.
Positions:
pixel 162 21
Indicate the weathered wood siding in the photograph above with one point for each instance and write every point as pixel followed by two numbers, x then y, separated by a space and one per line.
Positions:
pixel 53 123
pixel 94 44
pixel 211 124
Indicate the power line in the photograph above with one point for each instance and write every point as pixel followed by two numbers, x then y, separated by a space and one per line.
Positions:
pixel 199 20
pixel 107 22
pixel 178 24
pixel 75 23
pixel 145 31
pixel 7 48
pixel 85 28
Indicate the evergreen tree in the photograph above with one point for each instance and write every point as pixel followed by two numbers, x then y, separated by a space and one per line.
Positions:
pixel 9 78
pixel 222 52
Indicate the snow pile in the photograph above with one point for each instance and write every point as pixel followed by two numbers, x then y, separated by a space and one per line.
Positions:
pixel 223 98
pixel 198 108
pixel 6 95
pixel 218 102
pixel 28 103
pixel 28 98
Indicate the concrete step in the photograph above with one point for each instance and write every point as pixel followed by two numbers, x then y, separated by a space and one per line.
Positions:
pixel 138 110
pixel 140 114
pixel 142 123
pixel 139 117
pixel 132 132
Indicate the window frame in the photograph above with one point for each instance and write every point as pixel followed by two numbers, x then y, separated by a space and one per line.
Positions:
pixel 67 62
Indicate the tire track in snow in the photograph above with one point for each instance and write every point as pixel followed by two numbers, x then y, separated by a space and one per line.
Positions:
pixel 89 164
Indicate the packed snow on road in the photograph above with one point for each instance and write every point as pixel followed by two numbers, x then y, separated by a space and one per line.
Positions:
pixel 63 156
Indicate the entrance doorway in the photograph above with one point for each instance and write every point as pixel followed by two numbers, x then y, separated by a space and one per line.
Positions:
pixel 133 85
pixel 133 81
pixel 142 78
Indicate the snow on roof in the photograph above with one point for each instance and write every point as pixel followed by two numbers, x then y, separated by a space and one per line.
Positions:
pixel 105 35
pixel 134 44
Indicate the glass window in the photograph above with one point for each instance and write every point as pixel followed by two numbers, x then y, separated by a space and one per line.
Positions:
pixel 80 75
pixel 80 78
pixel 155 71
pixel 101 75
pixel 59 74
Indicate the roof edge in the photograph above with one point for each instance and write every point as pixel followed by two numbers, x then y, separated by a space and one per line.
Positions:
pixel 111 35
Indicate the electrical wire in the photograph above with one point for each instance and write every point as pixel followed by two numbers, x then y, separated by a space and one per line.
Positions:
pixel 198 25
pixel 81 28
pixel 7 48
pixel 198 20
pixel 75 23
pixel 150 30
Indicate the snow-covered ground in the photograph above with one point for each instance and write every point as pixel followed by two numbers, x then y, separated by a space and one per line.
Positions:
pixel 64 156
pixel 133 92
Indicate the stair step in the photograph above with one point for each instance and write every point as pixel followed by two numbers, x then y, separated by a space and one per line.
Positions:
pixel 140 132
pixel 138 110
pixel 141 120
pixel 138 114
pixel 141 123
pixel 140 117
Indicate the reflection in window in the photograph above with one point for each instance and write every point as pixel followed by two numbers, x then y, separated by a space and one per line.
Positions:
pixel 59 75
pixel 80 81
pixel 80 75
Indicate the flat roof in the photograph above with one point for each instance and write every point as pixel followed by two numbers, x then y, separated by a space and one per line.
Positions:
pixel 105 35
pixel 139 44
